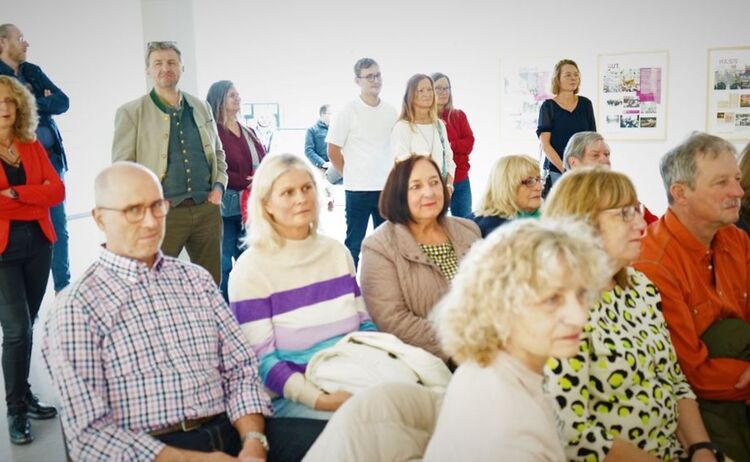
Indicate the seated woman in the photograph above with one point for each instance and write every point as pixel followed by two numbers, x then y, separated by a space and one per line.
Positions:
pixel 521 297
pixel 514 191
pixel 293 290
pixel 408 262
pixel 623 396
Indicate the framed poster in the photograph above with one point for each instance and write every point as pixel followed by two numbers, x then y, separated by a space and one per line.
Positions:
pixel 525 86
pixel 632 95
pixel 728 107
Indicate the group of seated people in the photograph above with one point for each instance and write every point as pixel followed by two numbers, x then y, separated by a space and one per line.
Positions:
pixel 561 348
pixel 575 334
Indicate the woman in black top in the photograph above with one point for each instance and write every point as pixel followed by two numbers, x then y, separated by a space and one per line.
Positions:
pixel 563 116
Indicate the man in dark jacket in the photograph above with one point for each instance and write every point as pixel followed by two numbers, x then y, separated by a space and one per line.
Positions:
pixel 50 101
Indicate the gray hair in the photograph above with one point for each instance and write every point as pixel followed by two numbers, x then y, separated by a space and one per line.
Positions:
pixel 5 31
pixel 363 63
pixel 678 164
pixel 577 145
pixel 163 45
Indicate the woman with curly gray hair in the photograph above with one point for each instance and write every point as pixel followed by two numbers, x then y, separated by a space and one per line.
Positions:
pixel 519 297
pixel 29 187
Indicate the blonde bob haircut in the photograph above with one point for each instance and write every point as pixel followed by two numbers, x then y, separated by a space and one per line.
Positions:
pixel 584 193
pixel 262 231
pixel 520 264
pixel 499 198
pixel 27 118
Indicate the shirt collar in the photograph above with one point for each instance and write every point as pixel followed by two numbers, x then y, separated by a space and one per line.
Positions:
pixel 128 268
pixel 690 242
pixel 166 108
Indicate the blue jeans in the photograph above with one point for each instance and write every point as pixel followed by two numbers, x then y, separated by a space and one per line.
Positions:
pixel 60 261
pixel 461 199
pixel 231 248
pixel 360 206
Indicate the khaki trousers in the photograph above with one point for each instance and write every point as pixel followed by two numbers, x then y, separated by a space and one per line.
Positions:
pixel 197 229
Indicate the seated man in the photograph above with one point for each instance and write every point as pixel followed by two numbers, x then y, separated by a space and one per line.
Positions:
pixel 589 149
pixel 701 264
pixel 146 357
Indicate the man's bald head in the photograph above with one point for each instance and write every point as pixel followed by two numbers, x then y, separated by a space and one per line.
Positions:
pixel 130 210
pixel 114 182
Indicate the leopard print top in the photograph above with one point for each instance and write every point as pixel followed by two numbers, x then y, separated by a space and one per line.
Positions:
pixel 625 382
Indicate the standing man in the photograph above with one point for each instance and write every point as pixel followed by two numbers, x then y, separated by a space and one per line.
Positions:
pixel 359 146
pixel 316 148
pixel 50 101
pixel 174 135
pixel 700 262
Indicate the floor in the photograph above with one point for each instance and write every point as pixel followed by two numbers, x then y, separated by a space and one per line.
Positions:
pixel 84 249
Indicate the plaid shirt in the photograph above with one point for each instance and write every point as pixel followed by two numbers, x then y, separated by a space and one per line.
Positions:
pixel 131 350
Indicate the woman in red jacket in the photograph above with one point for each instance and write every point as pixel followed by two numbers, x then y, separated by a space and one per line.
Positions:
pixel 461 139
pixel 29 186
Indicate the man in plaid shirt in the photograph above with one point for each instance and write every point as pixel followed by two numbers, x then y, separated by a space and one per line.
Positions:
pixel 146 357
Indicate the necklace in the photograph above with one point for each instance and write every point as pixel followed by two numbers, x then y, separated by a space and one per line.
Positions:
pixel 10 156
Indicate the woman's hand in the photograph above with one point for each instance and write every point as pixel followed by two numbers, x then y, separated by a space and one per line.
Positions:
pixel 331 402
pixel 6 192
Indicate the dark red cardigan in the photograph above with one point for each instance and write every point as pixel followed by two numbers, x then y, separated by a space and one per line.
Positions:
pixel 461 139
pixel 34 198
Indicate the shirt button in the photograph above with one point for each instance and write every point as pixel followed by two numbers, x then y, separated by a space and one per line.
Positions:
pixel 695 311
pixel 184 151
pixel 166 117
pixel 188 170
pixel 163 156
pixel 166 136
pixel 189 189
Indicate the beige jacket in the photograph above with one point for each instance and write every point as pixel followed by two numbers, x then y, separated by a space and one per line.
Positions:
pixel 401 284
pixel 142 136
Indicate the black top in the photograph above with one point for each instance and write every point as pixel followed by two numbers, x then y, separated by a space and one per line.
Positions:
pixel 562 124
pixel 16 177
pixel 488 224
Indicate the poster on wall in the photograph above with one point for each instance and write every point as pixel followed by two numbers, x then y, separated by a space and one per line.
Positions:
pixel 729 93
pixel 525 86
pixel 632 95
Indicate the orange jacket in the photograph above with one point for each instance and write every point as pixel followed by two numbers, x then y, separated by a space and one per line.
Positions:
pixel 35 197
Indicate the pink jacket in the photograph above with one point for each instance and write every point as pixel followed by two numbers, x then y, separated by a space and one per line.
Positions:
pixel 401 285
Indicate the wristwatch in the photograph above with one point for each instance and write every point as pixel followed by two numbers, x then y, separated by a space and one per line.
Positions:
pixel 706 445
pixel 257 436
pixel 13 193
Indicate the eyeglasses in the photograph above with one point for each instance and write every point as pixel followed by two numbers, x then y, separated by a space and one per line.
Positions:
pixel 532 181
pixel 136 213
pixel 629 212
pixel 442 89
pixel 8 102
pixel 372 77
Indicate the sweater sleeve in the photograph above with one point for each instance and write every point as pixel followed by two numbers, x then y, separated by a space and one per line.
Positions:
pixel 50 191
pixel 463 143
pixel 401 139
pixel 590 114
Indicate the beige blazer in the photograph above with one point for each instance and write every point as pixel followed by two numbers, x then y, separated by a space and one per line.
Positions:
pixel 142 136
pixel 401 284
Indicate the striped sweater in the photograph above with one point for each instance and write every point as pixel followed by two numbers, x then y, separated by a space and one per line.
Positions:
pixel 293 302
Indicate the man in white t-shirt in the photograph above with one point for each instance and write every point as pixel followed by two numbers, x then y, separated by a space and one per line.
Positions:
pixel 359 146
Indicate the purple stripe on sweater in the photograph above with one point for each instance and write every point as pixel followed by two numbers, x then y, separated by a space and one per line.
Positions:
pixel 297 339
pixel 280 373
pixel 289 300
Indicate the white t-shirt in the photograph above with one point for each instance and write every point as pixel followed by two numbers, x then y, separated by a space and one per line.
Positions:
pixel 364 134
pixel 423 139
pixel 498 412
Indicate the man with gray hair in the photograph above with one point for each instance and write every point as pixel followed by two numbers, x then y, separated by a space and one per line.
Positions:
pixel 175 136
pixel 700 263
pixel 588 149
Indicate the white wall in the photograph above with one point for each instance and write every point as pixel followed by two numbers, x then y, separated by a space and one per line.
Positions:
pixel 300 53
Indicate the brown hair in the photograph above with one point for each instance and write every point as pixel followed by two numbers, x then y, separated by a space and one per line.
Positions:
pixel 394 203
pixel 407 105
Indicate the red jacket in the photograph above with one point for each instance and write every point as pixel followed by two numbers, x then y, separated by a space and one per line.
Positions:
pixel 461 139
pixel 35 197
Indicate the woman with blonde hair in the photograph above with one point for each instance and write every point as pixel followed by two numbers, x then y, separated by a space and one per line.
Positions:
pixel 29 187
pixel 293 291
pixel 521 296
pixel 562 116
pixel 514 190
pixel 419 130
pixel 623 397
